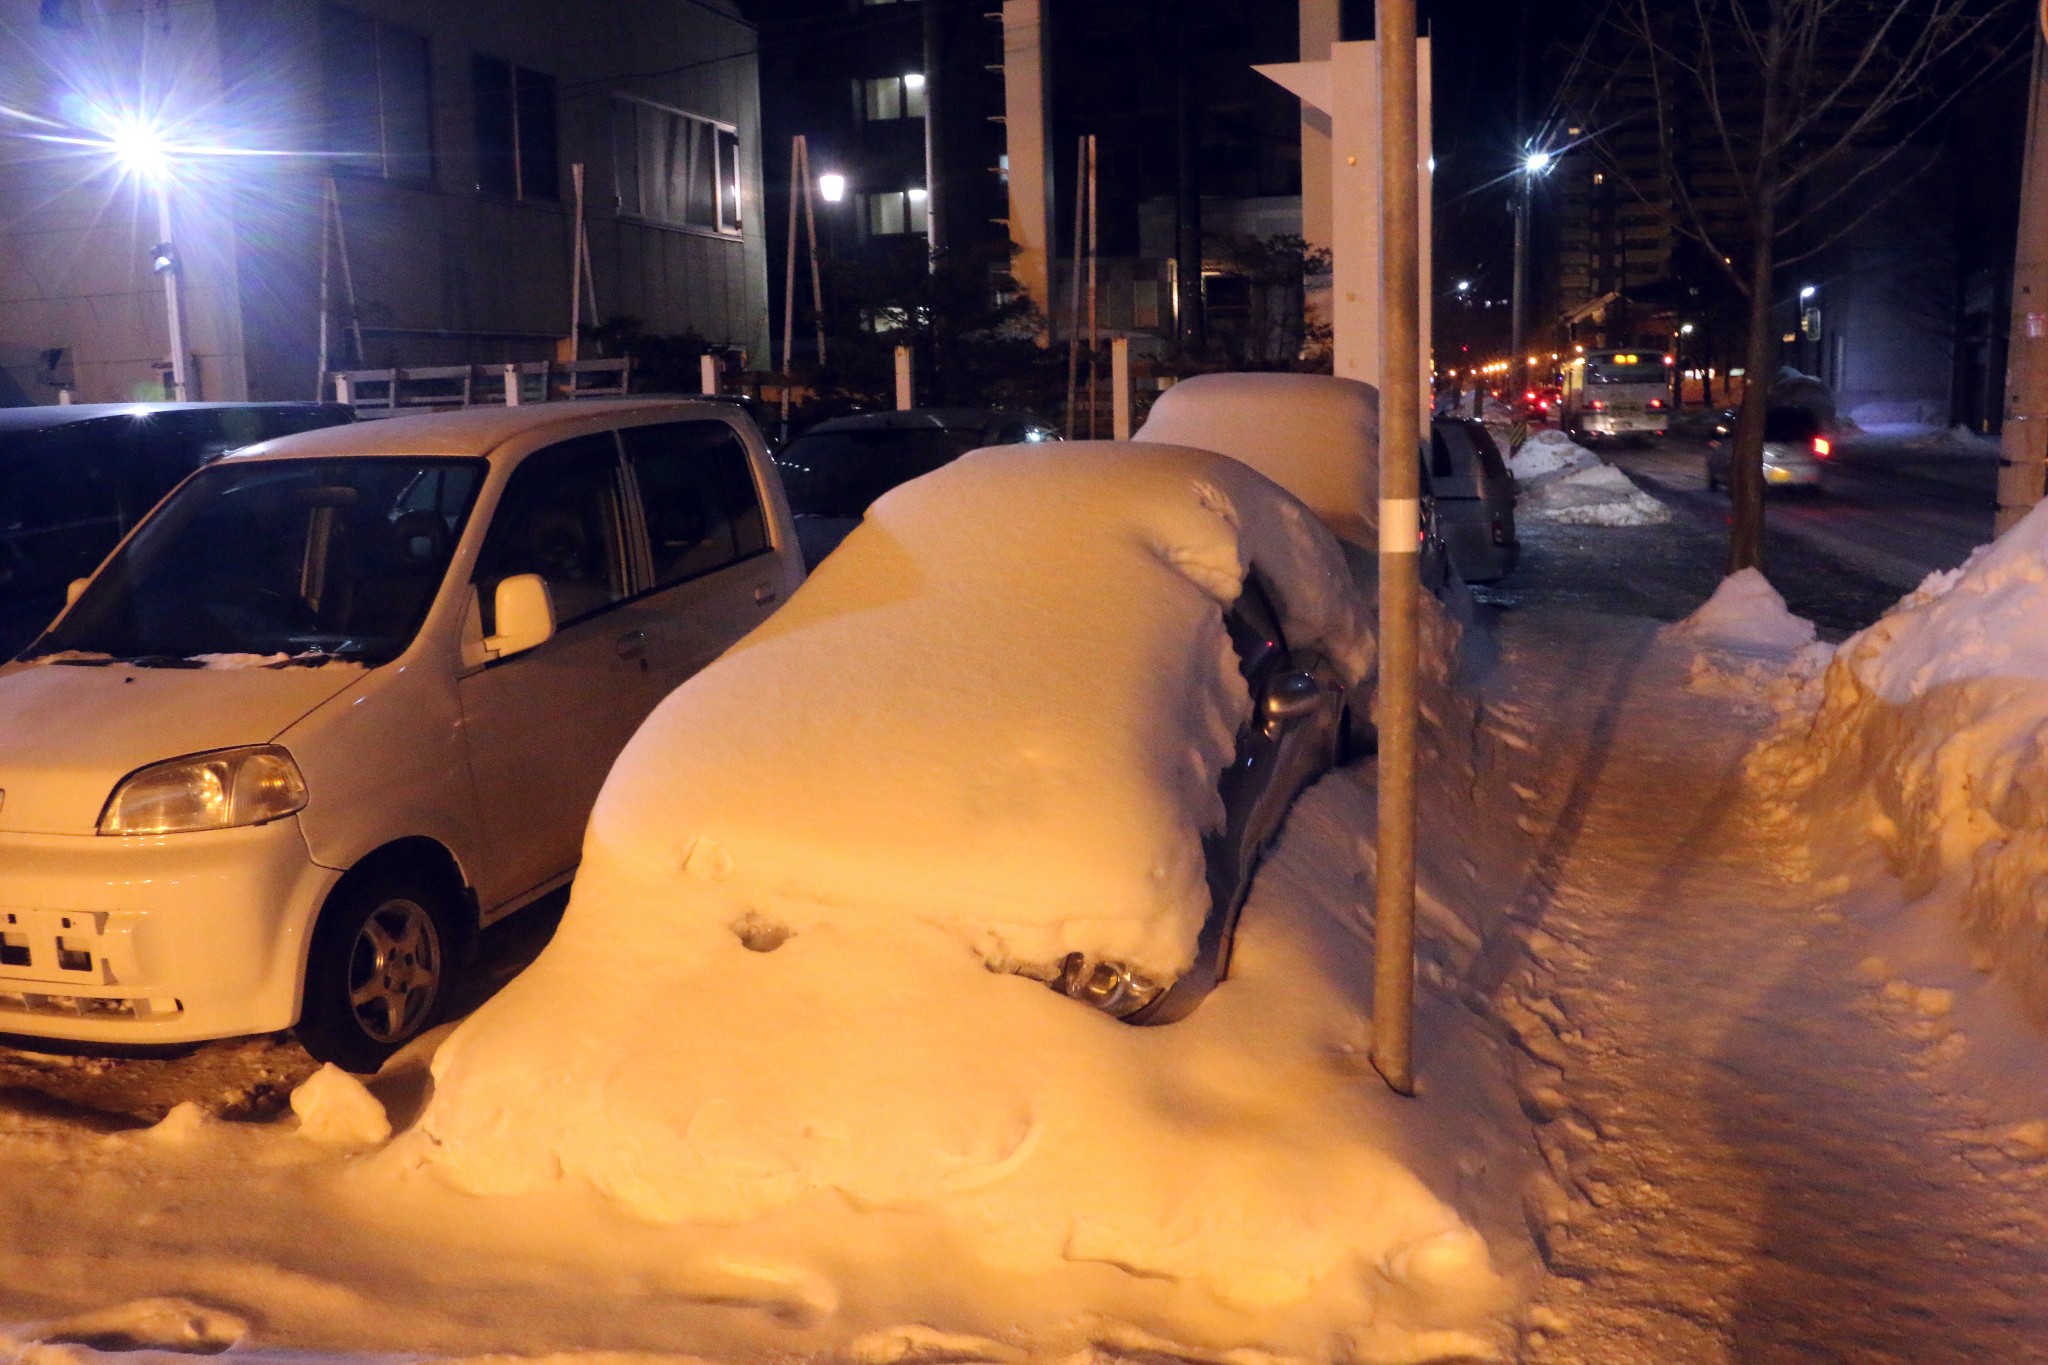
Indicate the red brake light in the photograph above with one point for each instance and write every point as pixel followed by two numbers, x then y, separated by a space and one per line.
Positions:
pixel 1655 403
pixel 1822 447
pixel 1598 405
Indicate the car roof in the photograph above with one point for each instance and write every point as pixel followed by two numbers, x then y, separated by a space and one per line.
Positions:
pixel 46 415
pixel 475 432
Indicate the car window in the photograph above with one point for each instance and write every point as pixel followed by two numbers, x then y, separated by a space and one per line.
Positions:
pixel 1439 454
pixel 1489 453
pixel 305 558
pixel 559 518
pixel 1790 424
pixel 1255 634
pixel 697 496
pixel 63 503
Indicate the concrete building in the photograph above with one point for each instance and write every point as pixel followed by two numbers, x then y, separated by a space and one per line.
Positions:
pixel 448 130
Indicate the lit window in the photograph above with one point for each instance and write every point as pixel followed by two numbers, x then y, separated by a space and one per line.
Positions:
pixel 674 168
pixel 892 97
pixel 892 213
pixel 1599 177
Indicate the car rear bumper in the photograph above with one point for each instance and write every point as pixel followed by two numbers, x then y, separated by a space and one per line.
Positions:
pixel 167 939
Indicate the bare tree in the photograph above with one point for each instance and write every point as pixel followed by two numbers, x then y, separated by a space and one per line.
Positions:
pixel 1777 124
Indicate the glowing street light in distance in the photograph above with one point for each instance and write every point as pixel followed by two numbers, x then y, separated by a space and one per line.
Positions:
pixel 1536 163
pixel 140 146
pixel 1805 292
pixel 832 187
pixel 913 80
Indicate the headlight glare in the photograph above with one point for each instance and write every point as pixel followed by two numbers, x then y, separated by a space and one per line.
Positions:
pixel 1111 987
pixel 218 790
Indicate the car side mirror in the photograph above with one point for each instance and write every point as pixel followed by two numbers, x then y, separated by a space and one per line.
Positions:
pixel 74 590
pixel 525 613
pixel 1289 697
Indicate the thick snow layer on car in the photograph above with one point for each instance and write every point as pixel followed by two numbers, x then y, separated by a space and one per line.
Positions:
pixel 1931 732
pixel 1315 435
pixel 988 731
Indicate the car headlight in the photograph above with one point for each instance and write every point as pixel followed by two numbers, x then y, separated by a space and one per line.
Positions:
pixel 217 790
pixel 1111 987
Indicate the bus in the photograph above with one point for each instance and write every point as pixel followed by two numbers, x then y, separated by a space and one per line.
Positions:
pixel 1616 393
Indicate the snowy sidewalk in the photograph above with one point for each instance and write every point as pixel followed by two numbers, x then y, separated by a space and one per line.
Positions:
pixel 1754 1160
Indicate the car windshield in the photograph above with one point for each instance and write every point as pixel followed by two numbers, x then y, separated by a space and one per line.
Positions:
pixel 299 561
pixel 838 473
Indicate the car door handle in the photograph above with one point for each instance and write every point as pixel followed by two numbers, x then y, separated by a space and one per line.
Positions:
pixel 765 593
pixel 632 644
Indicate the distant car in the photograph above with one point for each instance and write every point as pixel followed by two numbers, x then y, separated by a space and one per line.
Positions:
pixel 1537 404
pixel 1795 448
pixel 836 469
pixel 1475 499
pixel 344 698
pixel 75 478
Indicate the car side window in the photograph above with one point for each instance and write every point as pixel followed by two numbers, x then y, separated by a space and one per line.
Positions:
pixel 62 504
pixel 1255 634
pixel 697 494
pixel 559 518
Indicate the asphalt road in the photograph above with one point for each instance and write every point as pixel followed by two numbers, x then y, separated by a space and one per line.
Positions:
pixel 1886 516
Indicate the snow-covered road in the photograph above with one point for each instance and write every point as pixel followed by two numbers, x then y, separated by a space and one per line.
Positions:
pixel 1759 1158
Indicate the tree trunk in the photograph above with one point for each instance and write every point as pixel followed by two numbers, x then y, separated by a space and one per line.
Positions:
pixel 1746 463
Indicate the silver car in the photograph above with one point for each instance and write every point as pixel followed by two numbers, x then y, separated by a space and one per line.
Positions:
pixel 1795 448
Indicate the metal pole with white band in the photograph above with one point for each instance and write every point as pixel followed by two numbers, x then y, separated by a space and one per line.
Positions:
pixel 1400 540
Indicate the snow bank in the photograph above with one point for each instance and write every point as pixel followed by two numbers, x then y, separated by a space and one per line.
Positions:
pixel 1931 733
pixel 1315 435
pixel 1599 496
pixel 1548 454
pixel 1747 615
pixel 776 1011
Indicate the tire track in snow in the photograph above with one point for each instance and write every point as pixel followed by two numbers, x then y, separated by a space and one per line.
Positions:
pixel 1744 1157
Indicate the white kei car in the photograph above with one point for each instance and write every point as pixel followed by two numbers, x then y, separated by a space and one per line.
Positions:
pixel 344 698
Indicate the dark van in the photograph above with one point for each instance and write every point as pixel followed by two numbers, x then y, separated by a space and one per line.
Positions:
pixel 74 478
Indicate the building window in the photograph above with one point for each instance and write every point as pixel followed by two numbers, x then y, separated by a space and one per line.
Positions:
pixel 379 101
pixel 893 213
pixel 675 168
pixel 892 97
pixel 515 131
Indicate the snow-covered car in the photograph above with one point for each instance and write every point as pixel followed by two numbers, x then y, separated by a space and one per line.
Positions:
pixel 1059 696
pixel 345 697
pixel 1795 445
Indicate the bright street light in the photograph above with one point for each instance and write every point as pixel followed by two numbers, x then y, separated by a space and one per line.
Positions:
pixel 140 146
pixel 832 187
pixel 1805 292
pixel 1536 163
pixel 1685 330
pixel 913 80
pixel 1464 286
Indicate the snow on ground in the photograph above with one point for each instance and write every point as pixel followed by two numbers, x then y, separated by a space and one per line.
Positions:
pixel 1927 743
pixel 1599 496
pixel 1753 1152
pixel 1548 454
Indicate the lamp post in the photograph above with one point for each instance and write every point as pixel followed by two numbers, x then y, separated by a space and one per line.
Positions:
pixel 145 152
pixel 1534 163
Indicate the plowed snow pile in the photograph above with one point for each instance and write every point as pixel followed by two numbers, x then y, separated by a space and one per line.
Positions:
pixel 1548 454
pixel 1599 496
pixel 1931 736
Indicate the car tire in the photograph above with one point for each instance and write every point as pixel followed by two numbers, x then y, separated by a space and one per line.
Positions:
pixel 381 970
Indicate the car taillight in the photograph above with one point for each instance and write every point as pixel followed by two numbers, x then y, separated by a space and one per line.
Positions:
pixel 1531 394
pixel 1655 404
pixel 1598 405
pixel 1822 447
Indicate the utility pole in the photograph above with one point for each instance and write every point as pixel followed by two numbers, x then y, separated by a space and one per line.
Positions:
pixel 167 264
pixel 2023 439
pixel 1393 1003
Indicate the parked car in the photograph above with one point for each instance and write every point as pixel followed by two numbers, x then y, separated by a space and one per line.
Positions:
pixel 1475 499
pixel 346 697
pixel 75 479
pixel 1795 446
pixel 1057 698
pixel 835 469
